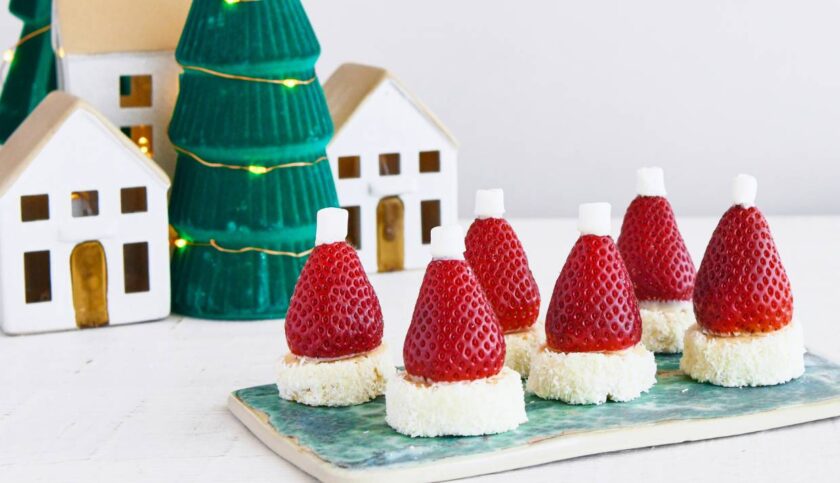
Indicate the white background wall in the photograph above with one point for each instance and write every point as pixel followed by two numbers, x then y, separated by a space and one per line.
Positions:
pixel 559 101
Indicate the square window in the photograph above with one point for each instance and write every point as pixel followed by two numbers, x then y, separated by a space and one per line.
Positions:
pixel 85 203
pixel 430 162
pixel 354 226
pixel 136 267
pixel 429 218
pixel 36 272
pixel 389 164
pixel 141 136
pixel 34 207
pixel 133 200
pixel 136 91
pixel 349 167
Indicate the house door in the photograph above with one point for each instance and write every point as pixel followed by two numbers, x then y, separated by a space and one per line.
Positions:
pixel 390 239
pixel 90 284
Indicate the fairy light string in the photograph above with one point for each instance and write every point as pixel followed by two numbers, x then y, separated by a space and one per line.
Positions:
pixel 9 54
pixel 180 242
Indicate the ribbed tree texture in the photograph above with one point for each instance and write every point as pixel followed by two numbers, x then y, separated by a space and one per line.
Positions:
pixel 246 123
pixel 31 75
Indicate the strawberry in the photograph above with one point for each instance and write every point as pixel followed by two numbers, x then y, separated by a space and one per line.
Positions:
pixel 654 251
pixel 334 311
pixel 496 255
pixel 593 307
pixel 454 334
pixel 742 286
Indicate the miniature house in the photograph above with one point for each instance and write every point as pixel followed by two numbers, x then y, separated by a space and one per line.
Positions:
pixel 118 55
pixel 83 224
pixel 395 167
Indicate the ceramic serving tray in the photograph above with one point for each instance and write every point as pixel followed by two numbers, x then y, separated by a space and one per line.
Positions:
pixel 355 444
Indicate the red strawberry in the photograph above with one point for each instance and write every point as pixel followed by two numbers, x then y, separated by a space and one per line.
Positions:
pixel 334 311
pixel 654 251
pixel 742 286
pixel 496 255
pixel 454 334
pixel 593 307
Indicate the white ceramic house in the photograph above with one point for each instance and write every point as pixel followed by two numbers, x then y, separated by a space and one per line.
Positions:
pixel 395 167
pixel 118 55
pixel 83 224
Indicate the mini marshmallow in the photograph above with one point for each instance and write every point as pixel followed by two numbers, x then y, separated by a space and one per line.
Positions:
pixel 332 226
pixel 594 219
pixel 448 242
pixel 744 188
pixel 490 203
pixel 650 182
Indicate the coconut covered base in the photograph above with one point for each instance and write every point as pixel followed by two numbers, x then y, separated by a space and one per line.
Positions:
pixel 744 360
pixel 521 345
pixel 664 325
pixel 466 408
pixel 342 382
pixel 592 377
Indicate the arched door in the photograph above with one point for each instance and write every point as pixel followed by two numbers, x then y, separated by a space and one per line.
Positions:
pixel 390 237
pixel 89 275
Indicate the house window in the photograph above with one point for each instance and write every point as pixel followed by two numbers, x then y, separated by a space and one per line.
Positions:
pixel 85 203
pixel 133 200
pixel 136 267
pixel 354 226
pixel 136 91
pixel 349 167
pixel 141 136
pixel 34 207
pixel 429 218
pixel 430 162
pixel 36 272
pixel 389 164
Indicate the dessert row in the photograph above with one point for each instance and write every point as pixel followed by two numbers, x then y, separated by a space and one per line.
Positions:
pixel 474 332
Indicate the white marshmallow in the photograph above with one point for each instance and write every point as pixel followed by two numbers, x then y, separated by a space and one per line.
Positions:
pixel 744 188
pixel 448 242
pixel 594 219
pixel 490 203
pixel 650 182
pixel 332 226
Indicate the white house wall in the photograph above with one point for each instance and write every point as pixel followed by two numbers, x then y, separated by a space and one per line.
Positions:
pixel 388 122
pixel 96 79
pixel 82 156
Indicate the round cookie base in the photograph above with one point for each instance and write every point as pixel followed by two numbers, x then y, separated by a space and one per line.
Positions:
pixel 664 325
pixel 520 346
pixel 744 360
pixel 342 382
pixel 465 408
pixel 592 377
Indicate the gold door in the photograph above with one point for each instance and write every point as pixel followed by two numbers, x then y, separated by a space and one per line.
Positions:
pixel 90 284
pixel 390 239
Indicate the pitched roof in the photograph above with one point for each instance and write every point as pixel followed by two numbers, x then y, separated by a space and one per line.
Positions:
pixel 350 86
pixel 36 131
pixel 109 26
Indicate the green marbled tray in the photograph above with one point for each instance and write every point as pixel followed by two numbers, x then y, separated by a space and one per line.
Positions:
pixel 355 444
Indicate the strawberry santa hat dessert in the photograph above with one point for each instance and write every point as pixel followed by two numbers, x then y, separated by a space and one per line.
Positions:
pixel 495 254
pixel 744 334
pixel 593 326
pixel 333 326
pixel 454 382
pixel 659 264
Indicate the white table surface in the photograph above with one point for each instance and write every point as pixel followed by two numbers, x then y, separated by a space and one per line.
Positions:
pixel 147 402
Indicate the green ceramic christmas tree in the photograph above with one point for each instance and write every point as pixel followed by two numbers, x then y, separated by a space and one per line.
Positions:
pixel 251 125
pixel 32 71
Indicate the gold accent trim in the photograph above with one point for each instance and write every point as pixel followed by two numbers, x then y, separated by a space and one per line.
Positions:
pixel 224 75
pixel 254 169
pixel 181 243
